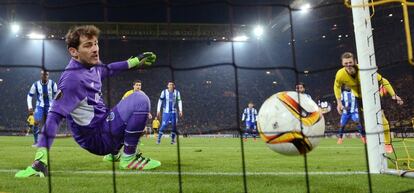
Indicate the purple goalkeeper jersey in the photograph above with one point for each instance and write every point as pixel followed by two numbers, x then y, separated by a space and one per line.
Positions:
pixel 79 100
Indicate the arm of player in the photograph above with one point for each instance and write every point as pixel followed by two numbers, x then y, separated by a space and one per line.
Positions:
pixel 71 93
pixel 54 91
pixel 160 104
pixel 29 98
pixel 387 85
pixel 337 91
pixel 146 58
pixel 180 104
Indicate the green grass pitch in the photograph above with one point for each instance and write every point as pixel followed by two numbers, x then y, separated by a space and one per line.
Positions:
pixel 207 164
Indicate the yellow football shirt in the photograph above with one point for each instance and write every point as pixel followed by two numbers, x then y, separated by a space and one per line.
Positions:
pixel 353 82
pixel 30 120
pixel 127 94
pixel 155 123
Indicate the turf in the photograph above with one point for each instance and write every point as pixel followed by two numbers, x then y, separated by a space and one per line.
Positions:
pixel 207 165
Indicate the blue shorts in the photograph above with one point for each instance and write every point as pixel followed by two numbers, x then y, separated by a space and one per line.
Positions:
pixel 169 118
pixel 346 116
pixel 250 125
pixel 39 112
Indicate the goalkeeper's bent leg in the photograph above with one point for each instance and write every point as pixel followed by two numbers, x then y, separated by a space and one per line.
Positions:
pixel 133 131
pixel 160 133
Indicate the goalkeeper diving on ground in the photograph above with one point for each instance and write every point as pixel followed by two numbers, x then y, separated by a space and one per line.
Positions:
pixel 95 127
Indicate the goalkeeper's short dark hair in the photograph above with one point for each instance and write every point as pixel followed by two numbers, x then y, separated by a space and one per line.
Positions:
pixel 72 37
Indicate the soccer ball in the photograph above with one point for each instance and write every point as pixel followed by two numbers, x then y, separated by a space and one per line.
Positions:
pixel 279 123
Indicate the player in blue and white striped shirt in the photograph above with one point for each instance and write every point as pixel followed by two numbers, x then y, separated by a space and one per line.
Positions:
pixel 169 102
pixel 350 111
pixel 249 116
pixel 45 90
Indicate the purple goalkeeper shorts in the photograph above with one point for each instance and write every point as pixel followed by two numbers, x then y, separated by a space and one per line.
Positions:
pixel 109 138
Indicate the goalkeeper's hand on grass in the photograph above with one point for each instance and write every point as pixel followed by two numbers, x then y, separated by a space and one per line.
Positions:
pixel 146 58
pixel 38 168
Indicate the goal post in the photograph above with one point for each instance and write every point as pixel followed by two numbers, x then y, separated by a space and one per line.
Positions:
pixel 369 87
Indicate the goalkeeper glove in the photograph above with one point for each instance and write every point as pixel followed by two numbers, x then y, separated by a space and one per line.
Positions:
pixel 148 57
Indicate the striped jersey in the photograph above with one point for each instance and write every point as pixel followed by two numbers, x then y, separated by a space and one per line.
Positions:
pixel 249 114
pixel 170 101
pixel 349 102
pixel 44 93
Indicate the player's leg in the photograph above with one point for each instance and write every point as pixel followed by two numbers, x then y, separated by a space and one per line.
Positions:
pixel 173 120
pixel 387 134
pixel 254 131
pixel 155 133
pixel 38 168
pixel 133 132
pixel 35 134
pixel 130 112
pixel 342 124
pixel 246 131
pixel 164 123
pixel 361 130
pixel 38 117
pixel 134 112
pixel 29 128
pixel 114 131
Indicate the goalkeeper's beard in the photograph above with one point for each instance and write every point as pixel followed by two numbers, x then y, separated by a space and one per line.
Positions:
pixel 89 63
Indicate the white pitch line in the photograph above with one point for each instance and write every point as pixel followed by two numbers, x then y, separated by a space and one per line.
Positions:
pixel 204 173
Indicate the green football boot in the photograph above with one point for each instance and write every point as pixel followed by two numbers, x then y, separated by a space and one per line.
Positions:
pixel 38 168
pixel 112 158
pixel 137 162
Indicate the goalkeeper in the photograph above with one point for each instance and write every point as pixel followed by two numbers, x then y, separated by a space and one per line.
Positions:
pixel 95 128
pixel 349 76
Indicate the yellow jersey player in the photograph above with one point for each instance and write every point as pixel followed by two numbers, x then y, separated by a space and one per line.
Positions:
pixel 155 126
pixel 30 123
pixel 349 76
pixel 136 86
